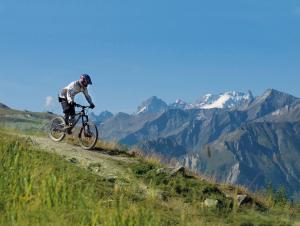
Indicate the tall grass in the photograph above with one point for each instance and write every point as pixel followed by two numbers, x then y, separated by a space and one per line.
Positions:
pixel 38 188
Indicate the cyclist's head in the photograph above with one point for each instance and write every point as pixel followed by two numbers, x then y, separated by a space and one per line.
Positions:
pixel 85 80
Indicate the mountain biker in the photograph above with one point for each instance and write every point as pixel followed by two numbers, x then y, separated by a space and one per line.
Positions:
pixel 68 94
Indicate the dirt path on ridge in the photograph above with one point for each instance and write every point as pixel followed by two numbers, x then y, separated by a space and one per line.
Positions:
pixel 100 162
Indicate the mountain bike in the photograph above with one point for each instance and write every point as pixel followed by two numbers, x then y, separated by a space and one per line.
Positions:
pixel 88 133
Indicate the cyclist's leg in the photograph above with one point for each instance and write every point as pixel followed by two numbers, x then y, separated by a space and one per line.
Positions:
pixel 66 109
pixel 69 117
pixel 72 113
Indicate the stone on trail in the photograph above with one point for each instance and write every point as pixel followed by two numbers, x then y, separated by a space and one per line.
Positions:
pixel 211 203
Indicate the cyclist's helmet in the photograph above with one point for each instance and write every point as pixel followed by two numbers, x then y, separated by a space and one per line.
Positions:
pixel 85 80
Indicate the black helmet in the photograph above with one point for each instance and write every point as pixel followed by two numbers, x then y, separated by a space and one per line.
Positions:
pixel 85 80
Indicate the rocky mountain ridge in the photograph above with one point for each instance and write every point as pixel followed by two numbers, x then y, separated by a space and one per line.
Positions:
pixel 250 144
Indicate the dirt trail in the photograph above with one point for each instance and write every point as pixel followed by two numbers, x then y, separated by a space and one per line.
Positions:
pixel 100 162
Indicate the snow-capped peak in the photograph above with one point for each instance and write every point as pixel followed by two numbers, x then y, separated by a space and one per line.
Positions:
pixel 229 99
pixel 225 100
pixel 143 109
pixel 207 97
pixel 179 103
pixel 152 105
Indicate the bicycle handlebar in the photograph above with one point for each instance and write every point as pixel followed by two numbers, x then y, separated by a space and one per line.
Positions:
pixel 80 106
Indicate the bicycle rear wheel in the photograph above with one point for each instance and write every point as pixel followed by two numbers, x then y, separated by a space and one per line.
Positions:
pixel 57 132
pixel 88 136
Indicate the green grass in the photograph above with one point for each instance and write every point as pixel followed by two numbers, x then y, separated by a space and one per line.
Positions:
pixel 25 122
pixel 38 188
pixel 189 189
pixel 192 190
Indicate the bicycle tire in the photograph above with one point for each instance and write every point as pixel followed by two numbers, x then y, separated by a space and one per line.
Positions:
pixel 88 142
pixel 56 126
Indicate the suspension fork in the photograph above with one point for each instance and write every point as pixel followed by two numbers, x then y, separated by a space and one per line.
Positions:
pixel 85 119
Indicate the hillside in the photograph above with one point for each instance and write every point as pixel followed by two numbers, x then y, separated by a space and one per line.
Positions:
pixel 254 155
pixel 258 138
pixel 252 144
pixel 46 183
pixel 23 120
pixel 3 106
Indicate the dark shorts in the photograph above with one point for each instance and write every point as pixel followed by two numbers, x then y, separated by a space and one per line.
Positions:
pixel 68 108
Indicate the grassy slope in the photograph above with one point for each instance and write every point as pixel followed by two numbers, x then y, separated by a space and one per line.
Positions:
pixel 29 122
pixel 38 188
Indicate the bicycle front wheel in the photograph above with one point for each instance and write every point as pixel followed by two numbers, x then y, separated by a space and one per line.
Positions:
pixel 57 132
pixel 88 136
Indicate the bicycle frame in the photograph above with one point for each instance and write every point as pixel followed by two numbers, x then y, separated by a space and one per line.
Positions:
pixel 87 137
pixel 81 115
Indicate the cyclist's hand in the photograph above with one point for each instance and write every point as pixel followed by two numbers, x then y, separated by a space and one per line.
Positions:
pixel 92 106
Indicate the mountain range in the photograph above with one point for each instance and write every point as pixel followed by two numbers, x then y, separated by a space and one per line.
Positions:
pixel 155 105
pixel 233 137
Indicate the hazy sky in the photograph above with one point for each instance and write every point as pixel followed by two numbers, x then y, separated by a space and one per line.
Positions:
pixel 134 49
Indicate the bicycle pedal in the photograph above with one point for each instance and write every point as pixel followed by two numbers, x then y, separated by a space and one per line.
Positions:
pixel 69 131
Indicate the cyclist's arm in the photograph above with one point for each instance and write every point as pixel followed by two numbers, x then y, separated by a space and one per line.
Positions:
pixel 87 96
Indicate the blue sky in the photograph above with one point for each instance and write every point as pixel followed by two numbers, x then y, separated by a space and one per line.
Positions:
pixel 135 49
